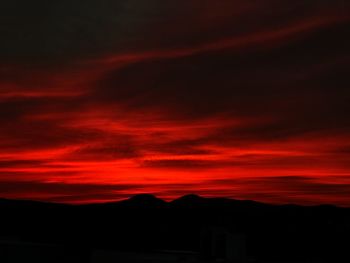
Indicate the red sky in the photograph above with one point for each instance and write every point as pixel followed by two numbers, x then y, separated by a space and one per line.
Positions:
pixel 239 99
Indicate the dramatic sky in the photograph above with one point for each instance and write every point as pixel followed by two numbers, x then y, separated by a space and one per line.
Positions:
pixel 104 99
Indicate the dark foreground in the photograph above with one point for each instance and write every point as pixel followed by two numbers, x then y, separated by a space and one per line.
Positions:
pixel 189 229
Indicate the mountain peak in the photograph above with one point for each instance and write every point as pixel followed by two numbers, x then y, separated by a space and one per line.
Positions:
pixel 146 200
pixel 189 199
pixel 144 197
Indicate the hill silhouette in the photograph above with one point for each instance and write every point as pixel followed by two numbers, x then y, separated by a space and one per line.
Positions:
pixel 147 223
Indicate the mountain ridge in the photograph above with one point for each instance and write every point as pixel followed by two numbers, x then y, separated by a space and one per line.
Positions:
pixel 146 197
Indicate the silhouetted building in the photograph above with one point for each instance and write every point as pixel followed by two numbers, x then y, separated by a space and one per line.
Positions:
pixel 223 245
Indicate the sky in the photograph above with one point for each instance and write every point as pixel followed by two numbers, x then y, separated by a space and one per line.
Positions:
pixel 245 99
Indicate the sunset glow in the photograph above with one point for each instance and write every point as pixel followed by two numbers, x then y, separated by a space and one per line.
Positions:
pixel 210 104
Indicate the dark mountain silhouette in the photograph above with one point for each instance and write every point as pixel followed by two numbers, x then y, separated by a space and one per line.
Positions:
pixel 144 201
pixel 189 201
pixel 147 223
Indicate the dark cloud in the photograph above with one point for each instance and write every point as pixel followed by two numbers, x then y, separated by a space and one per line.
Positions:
pixel 117 147
pixel 61 188
pixel 19 163
pixel 182 164
pixel 278 78
pixel 39 30
pixel 62 192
